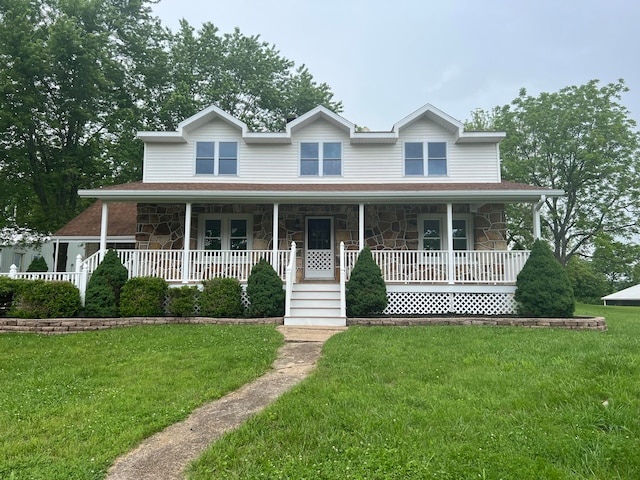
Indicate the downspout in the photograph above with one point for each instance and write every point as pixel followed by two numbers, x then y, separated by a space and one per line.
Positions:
pixel 537 231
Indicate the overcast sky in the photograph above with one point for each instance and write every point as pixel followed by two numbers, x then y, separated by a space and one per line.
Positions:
pixel 385 59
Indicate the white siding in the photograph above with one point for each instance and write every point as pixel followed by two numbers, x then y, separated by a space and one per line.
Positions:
pixel 264 163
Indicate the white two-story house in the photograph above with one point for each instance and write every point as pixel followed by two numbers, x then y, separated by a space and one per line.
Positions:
pixel 426 196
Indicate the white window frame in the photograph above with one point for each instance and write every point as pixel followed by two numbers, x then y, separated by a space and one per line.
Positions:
pixel 216 159
pixel 425 159
pixel 444 234
pixel 321 160
pixel 225 222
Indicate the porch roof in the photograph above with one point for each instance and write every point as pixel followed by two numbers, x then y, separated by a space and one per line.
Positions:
pixel 86 226
pixel 321 192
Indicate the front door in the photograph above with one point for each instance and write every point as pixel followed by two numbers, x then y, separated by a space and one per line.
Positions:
pixel 319 255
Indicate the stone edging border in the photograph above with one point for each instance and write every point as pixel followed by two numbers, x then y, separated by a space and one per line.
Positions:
pixel 73 325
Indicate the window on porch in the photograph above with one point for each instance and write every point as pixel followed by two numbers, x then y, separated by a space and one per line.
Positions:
pixel 432 230
pixel 225 233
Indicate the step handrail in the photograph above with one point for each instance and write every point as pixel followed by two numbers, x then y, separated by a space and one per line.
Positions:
pixel 290 278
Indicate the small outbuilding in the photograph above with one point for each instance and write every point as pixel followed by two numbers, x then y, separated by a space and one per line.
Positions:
pixel 629 296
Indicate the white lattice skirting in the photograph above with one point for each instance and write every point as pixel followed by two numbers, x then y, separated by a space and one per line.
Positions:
pixel 459 303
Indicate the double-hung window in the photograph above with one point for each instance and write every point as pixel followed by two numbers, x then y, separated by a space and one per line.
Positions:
pixel 225 232
pixel 216 158
pixel 320 159
pixel 436 158
pixel 432 231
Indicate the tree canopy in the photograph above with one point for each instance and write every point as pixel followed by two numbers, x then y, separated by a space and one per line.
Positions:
pixel 80 77
pixel 580 139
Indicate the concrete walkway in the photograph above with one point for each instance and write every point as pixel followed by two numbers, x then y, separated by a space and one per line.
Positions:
pixel 166 454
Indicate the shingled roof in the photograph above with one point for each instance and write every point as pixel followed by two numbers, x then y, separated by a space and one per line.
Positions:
pixel 121 222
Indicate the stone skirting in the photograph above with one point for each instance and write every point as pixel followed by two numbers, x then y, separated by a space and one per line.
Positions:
pixel 574 323
pixel 75 325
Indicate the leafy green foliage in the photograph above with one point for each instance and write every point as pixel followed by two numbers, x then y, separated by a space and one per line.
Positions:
pixel 221 297
pixel 618 260
pixel 587 283
pixel 581 140
pixel 72 404
pixel 7 291
pixel 183 301
pixel 366 291
pixel 543 288
pixel 38 264
pixel 265 292
pixel 143 297
pixel 45 299
pixel 109 275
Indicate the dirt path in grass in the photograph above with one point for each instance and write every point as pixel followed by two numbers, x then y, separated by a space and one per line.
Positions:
pixel 165 455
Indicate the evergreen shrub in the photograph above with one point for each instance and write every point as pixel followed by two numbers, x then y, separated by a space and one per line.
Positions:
pixel 265 292
pixel 366 291
pixel 221 298
pixel 143 297
pixel 542 287
pixel 7 290
pixel 38 264
pixel 112 275
pixel 183 301
pixel 44 299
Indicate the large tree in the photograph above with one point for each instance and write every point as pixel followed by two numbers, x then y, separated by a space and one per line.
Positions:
pixel 582 140
pixel 80 77
pixel 69 74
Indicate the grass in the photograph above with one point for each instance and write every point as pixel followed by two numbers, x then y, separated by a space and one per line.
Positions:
pixel 69 405
pixel 453 403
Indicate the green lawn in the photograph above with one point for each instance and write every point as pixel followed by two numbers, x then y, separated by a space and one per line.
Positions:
pixel 453 403
pixel 69 405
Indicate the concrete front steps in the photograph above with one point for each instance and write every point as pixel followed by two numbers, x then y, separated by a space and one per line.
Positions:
pixel 317 304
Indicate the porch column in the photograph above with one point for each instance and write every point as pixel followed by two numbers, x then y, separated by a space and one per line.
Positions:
pixel 450 260
pixel 276 240
pixel 360 227
pixel 537 231
pixel 103 229
pixel 186 247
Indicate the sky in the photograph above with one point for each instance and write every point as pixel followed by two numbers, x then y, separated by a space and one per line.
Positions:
pixel 386 59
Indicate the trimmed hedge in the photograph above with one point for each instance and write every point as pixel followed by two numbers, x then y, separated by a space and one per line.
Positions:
pixel 183 301
pixel 7 291
pixel 221 297
pixel 265 292
pixel 366 291
pixel 543 288
pixel 143 297
pixel 44 299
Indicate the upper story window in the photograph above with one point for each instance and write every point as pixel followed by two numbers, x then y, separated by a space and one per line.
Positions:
pixel 216 158
pixel 320 159
pixel 436 158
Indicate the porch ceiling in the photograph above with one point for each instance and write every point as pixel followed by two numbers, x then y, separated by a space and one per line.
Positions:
pixel 508 192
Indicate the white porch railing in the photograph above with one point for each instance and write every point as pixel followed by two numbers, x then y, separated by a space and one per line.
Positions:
pixel 203 264
pixel 290 279
pixel 476 267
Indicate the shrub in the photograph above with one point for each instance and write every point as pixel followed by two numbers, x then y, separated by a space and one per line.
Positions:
pixel 542 287
pixel 100 301
pixel 366 291
pixel 7 291
pixel 38 264
pixel 43 299
pixel 143 297
pixel 265 292
pixel 109 274
pixel 221 297
pixel 183 301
